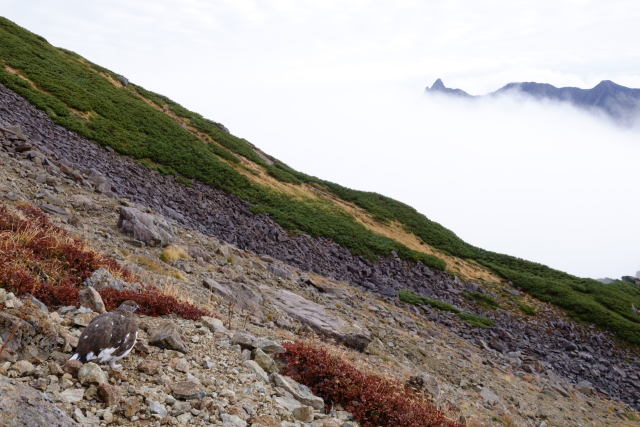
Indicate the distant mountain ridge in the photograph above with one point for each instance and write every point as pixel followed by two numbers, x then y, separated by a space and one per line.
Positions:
pixel 620 103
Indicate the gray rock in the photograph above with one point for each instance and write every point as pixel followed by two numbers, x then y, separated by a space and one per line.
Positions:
pixel 232 421
pixel 168 337
pixel 187 390
pixel 157 408
pixel 123 80
pixel 287 402
pixel 23 367
pixel 91 373
pixel 244 296
pixel 214 325
pixel 251 364
pixel 150 229
pixel 90 298
pixel 264 361
pixel 103 279
pixel 72 395
pixel 53 209
pixel 427 382
pixel 299 391
pixel 488 396
pixel 21 405
pixel 303 413
pixel 281 270
pixel 321 321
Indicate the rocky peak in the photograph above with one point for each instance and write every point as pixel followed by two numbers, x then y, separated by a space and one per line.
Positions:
pixel 438 84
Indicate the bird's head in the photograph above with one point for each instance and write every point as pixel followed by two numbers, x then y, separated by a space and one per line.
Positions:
pixel 129 306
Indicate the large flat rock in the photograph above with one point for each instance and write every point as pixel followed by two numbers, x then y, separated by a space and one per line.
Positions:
pixel 319 319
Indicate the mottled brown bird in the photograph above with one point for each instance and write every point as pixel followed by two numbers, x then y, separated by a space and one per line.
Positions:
pixel 109 337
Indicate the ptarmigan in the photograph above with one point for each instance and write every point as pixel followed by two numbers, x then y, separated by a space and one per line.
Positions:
pixel 109 337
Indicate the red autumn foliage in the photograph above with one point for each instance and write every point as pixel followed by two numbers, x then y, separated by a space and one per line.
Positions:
pixel 374 400
pixel 41 259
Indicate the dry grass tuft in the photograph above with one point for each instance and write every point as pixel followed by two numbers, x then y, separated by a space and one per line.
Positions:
pixel 172 253
pixel 156 267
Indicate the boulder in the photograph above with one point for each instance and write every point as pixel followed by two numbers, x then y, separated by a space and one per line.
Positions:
pixel 282 271
pixel 303 413
pixel 91 373
pixel 250 342
pixel 299 391
pixel 243 296
pixel 426 382
pixel 21 405
pixel 34 336
pixel 23 367
pixel 168 337
pixel 260 373
pixel 264 361
pixel 72 395
pixel 319 319
pixel 187 390
pixel 103 279
pixel 109 394
pixel 214 324
pixel 150 229
pixel 90 298
pixel 157 409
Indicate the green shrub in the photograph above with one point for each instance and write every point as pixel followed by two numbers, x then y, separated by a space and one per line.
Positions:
pixel 415 299
pixel 477 321
pixel 484 300
pixel 527 309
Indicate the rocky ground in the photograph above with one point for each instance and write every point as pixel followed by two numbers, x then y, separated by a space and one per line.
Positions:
pixel 582 355
pixel 542 371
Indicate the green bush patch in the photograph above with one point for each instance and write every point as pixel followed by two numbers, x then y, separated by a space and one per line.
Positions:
pixel 415 299
pixel 484 300
pixel 527 309
pixel 477 321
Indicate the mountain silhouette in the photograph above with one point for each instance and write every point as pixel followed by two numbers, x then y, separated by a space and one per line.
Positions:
pixel 620 103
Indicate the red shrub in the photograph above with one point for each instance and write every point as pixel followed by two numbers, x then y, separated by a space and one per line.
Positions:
pixel 373 399
pixel 41 259
pixel 152 303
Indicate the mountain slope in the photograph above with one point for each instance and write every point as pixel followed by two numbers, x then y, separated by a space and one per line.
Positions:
pixel 620 103
pixel 162 135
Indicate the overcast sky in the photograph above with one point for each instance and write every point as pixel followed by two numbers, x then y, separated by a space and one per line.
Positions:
pixel 334 88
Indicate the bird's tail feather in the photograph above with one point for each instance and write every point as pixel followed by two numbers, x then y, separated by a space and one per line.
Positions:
pixel 77 356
